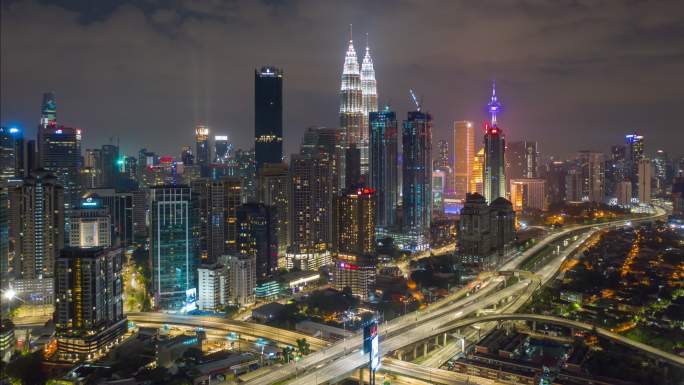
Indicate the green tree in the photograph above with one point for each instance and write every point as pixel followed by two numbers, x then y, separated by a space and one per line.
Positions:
pixel 303 346
pixel 288 353
pixel 28 369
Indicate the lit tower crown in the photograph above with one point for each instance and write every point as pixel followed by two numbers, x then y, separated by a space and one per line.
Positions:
pixel 494 106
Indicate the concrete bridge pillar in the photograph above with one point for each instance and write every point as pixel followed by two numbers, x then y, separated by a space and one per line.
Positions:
pixel 425 348
pixel 444 339
pixel 415 351
pixel 534 326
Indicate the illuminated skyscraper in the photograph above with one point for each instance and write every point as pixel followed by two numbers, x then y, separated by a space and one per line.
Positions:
pixel 258 238
pixel 273 183
pixel 644 175
pixel 202 150
pixel 522 160
pixel 222 149
pixel 417 172
pixel 476 184
pixel 369 103
pixel 59 152
pixel 351 99
pixel 217 204
pixel 494 148
pixel 48 110
pixel 636 153
pixel 268 116
pixel 464 156
pixel 384 168
pixel 11 153
pixel 590 166
pixel 173 245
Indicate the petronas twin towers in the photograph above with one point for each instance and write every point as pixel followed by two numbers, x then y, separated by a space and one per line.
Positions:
pixel 358 97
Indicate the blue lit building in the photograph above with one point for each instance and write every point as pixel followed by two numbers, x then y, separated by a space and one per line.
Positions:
pixel 173 246
pixel 417 172
pixel 11 153
pixel 384 169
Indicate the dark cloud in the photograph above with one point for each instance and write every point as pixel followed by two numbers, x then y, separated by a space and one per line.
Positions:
pixel 572 74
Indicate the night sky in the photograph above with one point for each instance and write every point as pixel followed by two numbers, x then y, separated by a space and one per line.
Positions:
pixel 571 74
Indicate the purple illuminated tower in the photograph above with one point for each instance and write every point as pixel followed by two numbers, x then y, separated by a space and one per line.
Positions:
pixel 494 106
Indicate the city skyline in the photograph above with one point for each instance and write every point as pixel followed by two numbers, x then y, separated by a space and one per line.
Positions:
pixel 200 84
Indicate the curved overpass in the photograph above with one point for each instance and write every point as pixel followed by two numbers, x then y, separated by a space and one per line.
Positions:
pixel 605 333
pixel 282 336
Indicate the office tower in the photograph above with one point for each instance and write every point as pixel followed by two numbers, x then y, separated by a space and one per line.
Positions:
pixel 59 152
pixel 311 211
pixel 574 184
pixel 662 167
pixel 369 103
pixel 522 158
pixel 89 317
pixel 257 237
pixel 6 259
pixel 645 174
pixel 202 150
pixel 217 204
pixel 635 143
pixel 590 167
pixel 417 172
pixel 439 182
pixel 352 168
pixel 384 167
pixel 90 224
pixel 121 209
pixel 109 156
pixel 327 142
pixel 555 182
pixel 268 115
pixel 31 162
pixel 494 165
pixel 173 251
pixel 477 180
pixel 11 153
pixel 213 292
pixel 242 279
pixel 131 168
pixel 624 193
pixel 356 222
pixel 273 190
pixel 40 204
pixel 528 193
pixel 464 156
pixel 187 157
pixel 243 166
pixel 502 225
pixel 48 110
pixel 441 162
pixel 222 149
pixel 494 147
pixel 351 99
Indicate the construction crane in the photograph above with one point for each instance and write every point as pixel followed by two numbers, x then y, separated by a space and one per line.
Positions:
pixel 415 100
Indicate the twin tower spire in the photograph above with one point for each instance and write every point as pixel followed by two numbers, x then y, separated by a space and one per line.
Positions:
pixel 358 95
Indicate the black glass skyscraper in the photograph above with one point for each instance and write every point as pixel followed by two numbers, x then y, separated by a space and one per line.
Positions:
pixel 417 172
pixel 383 165
pixel 268 115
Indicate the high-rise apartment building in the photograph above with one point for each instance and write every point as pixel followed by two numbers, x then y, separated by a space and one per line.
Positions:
pixel 174 254
pixel 522 160
pixel 356 213
pixel 268 116
pixel 644 174
pixel 464 156
pixel 417 172
pixel 384 167
pixel 217 204
pixel 258 237
pixel 213 290
pixel 590 168
pixel 635 144
pixel 528 193
pixel 89 317
pixel 242 279
pixel 273 191
pixel 242 165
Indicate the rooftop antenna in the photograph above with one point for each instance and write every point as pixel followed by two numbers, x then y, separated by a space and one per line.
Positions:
pixel 351 33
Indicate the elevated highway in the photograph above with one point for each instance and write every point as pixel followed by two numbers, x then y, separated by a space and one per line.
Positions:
pixel 223 325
